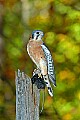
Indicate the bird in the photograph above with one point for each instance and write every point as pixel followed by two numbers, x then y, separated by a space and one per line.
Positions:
pixel 42 58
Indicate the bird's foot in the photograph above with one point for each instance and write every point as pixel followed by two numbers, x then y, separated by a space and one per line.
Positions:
pixel 37 71
pixel 39 75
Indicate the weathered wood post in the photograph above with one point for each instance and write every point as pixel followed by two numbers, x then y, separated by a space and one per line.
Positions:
pixel 27 104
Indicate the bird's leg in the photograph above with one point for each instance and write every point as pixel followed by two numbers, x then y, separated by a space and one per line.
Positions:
pixel 38 72
pixel 39 75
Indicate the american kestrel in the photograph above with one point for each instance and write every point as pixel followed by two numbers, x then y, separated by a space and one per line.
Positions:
pixel 41 56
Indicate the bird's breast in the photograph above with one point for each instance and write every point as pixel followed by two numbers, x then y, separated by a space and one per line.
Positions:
pixel 35 51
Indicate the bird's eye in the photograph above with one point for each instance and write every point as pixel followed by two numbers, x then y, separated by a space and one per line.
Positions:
pixel 37 32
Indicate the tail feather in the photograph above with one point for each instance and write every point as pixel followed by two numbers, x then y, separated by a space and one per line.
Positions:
pixel 53 80
pixel 46 79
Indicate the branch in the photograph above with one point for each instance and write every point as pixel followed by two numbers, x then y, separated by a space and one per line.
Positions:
pixel 27 104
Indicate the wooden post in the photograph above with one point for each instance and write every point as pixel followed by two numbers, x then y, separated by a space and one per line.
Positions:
pixel 27 104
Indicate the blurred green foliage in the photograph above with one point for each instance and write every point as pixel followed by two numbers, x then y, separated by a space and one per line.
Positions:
pixel 60 21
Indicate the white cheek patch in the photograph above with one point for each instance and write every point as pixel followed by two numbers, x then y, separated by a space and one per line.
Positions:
pixel 37 37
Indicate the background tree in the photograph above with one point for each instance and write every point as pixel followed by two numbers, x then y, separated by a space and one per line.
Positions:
pixel 60 21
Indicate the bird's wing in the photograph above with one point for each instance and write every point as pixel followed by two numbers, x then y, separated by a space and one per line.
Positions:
pixel 49 59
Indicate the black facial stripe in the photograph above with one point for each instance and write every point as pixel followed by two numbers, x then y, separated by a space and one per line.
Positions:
pixel 37 37
pixel 32 36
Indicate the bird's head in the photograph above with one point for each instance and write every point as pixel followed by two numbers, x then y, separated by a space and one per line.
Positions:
pixel 37 35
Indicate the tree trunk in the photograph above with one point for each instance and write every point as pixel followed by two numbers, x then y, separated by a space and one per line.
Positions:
pixel 27 102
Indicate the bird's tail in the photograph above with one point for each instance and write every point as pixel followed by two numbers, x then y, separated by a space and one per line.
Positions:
pixel 46 79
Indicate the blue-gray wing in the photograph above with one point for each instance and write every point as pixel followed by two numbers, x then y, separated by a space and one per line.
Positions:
pixel 49 59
